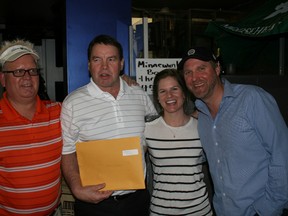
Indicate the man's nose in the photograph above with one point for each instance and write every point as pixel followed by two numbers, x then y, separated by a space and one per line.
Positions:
pixel 104 64
pixel 27 74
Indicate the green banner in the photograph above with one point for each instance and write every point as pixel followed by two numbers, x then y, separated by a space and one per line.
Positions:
pixel 270 19
pixel 252 45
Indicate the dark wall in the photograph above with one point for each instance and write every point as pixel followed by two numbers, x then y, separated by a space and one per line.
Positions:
pixel 274 84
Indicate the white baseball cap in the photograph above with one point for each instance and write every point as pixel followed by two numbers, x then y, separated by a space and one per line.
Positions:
pixel 14 52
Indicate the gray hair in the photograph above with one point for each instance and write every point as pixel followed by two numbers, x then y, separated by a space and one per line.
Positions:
pixel 18 42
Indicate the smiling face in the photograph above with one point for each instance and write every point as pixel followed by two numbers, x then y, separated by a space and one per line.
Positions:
pixel 201 78
pixel 20 88
pixel 105 66
pixel 170 95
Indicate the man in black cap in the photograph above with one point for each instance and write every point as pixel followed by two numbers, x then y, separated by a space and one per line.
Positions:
pixel 244 136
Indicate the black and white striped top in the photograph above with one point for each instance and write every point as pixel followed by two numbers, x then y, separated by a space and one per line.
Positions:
pixel 176 155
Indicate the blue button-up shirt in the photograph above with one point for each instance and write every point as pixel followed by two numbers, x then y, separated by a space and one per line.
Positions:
pixel 247 150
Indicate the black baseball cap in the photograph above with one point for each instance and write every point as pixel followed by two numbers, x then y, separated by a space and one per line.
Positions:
pixel 201 53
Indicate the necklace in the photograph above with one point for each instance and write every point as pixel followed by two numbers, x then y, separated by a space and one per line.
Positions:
pixel 174 130
pixel 176 127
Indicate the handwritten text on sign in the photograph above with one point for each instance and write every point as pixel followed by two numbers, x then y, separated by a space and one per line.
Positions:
pixel 146 69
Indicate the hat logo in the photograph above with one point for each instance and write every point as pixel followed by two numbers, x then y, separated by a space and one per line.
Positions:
pixel 14 52
pixel 191 52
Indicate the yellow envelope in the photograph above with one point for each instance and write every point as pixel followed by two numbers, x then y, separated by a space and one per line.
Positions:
pixel 116 162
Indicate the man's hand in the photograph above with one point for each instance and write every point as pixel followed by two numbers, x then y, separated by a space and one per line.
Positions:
pixel 92 194
pixel 129 80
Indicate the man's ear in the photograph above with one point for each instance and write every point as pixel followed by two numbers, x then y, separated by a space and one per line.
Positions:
pixel 218 68
pixel 122 64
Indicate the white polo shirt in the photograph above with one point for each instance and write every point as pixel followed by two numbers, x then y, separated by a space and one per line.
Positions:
pixel 88 114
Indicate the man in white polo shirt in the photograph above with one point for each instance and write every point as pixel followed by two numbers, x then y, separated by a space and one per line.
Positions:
pixel 106 108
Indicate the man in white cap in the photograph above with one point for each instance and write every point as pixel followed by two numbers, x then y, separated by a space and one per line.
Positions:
pixel 30 131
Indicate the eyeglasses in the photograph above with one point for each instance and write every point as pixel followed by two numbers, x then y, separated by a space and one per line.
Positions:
pixel 22 72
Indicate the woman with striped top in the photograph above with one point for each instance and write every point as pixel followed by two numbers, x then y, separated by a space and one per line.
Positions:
pixel 175 151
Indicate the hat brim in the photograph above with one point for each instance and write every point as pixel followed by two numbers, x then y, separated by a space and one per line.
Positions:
pixel 183 60
pixel 17 55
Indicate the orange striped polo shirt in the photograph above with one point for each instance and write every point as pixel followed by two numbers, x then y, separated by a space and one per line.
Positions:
pixel 30 155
